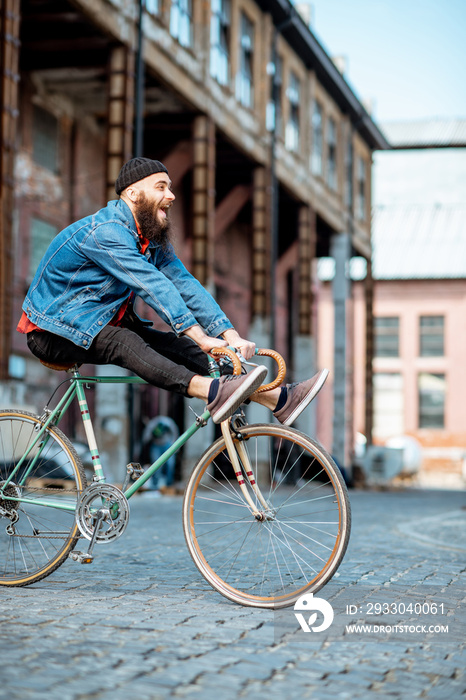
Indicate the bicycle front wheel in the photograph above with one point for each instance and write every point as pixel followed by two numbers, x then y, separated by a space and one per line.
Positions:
pixel 293 539
pixel 37 499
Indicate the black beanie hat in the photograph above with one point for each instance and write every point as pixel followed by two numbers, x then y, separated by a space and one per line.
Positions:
pixel 137 169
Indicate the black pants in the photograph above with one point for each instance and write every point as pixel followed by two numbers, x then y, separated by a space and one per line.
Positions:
pixel 162 359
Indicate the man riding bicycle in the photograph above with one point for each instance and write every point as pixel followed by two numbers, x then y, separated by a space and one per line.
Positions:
pixel 79 307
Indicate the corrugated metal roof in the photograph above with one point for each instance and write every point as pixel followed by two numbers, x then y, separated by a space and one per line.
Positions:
pixel 426 133
pixel 419 241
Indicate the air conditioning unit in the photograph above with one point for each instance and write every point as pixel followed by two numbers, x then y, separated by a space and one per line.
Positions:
pixel 381 464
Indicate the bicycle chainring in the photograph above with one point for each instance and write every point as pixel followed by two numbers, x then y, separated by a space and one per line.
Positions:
pixel 111 503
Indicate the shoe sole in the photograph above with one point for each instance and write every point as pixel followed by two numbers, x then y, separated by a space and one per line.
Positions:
pixel 252 382
pixel 308 398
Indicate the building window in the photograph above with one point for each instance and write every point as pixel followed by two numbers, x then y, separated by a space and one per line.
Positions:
pixel 431 336
pixel 292 127
pixel 388 416
pixel 274 117
pixel 244 79
pixel 387 336
pixel 317 139
pixel 349 173
pixel 431 400
pixel 181 21
pixel 220 21
pixel 41 236
pixel 152 6
pixel 332 154
pixel 362 195
pixel 45 139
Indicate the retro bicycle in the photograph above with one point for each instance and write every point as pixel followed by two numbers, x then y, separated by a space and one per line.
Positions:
pixel 266 513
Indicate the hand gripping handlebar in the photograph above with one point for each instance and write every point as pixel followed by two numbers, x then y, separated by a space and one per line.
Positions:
pixel 268 353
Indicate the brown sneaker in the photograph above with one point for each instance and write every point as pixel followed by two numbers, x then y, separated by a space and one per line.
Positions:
pixel 299 396
pixel 232 391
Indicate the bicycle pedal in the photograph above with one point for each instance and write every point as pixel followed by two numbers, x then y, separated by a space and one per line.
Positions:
pixel 135 470
pixel 81 557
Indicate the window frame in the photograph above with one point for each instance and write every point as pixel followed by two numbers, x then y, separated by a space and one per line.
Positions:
pixel 317 146
pixel 424 335
pixel 349 172
pixel 153 7
pixel 245 74
pixel 293 122
pixel 39 241
pixel 331 138
pixel 394 336
pixel 424 412
pixel 361 189
pixel 222 48
pixel 274 116
pixel 45 139
pixel 179 10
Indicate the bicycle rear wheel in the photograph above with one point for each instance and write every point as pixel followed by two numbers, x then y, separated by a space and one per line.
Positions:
pixel 291 545
pixel 37 536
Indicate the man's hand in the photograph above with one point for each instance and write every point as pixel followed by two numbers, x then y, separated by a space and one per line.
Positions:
pixel 205 342
pixel 246 347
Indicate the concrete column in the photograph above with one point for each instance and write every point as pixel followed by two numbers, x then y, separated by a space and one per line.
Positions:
pixel 369 371
pixel 202 260
pixel 260 245
pixel 112 400
pixel 259 330
pixel 304 363
pixel 9 81
pixel 120 119
pixel 203 200
pixel 341 251
pixel 307 247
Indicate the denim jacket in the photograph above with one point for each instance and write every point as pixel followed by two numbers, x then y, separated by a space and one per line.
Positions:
pixel 91 267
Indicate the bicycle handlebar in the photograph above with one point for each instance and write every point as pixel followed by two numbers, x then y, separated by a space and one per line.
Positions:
pixel 281 369
pixel 231 354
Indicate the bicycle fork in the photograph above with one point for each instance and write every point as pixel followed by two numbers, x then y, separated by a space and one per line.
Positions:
pixel 233 451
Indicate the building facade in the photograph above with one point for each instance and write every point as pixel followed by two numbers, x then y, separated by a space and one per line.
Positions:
pixel 268 148
pixel 419 307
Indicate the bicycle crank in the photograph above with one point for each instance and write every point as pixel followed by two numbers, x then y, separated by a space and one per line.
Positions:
pixel 102 513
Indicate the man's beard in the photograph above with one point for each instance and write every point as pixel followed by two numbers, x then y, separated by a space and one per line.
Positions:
pixel 149 223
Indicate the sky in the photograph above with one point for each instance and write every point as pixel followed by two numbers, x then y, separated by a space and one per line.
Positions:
pixel 405 57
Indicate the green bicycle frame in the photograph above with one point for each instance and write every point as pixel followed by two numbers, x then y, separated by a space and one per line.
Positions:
pixel 76 389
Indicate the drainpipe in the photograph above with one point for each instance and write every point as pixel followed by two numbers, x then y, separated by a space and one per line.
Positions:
pixel 138 145
pixel 273 195
pixel 133 396
pixel 274 208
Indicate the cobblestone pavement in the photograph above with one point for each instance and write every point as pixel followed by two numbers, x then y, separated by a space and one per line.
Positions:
pixel 142 623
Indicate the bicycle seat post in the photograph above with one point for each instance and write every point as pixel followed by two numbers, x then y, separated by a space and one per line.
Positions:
pixel 88 428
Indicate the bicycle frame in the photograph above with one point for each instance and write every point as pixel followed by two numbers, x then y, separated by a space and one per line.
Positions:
pixel 53 417
pixel 239 459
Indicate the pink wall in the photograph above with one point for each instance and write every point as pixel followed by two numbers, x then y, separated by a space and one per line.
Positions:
pixel 443 449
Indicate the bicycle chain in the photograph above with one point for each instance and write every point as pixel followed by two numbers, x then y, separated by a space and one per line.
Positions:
pixel 50 488
pixel 45 537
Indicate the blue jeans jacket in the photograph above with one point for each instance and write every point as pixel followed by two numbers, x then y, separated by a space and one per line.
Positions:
pixel 91 267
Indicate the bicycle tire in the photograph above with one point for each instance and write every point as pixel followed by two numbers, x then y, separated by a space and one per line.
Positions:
pixel 268 563
pixel 43 535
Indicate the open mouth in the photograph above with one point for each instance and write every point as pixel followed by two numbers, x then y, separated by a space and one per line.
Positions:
pixel 163 210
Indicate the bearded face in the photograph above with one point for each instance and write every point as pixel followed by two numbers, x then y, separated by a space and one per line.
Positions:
pixel 152 219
